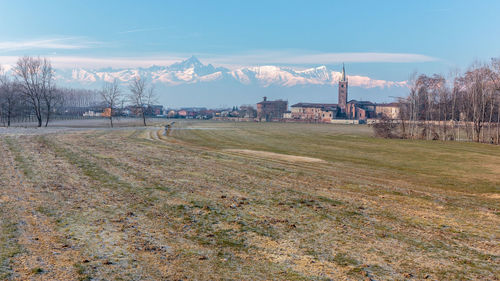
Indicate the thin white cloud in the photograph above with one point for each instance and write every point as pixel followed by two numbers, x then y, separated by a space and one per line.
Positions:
pixel 232 61
pixel 301 58
pixel 115 62
pixel 66 43
pixel 101 62
pixel 368 83
pixel 141 30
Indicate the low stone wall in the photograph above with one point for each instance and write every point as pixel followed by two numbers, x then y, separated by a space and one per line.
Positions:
pixel 345 121
pixel 234 119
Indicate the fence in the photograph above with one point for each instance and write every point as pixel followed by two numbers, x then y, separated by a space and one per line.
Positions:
pixel 26 119
pixel 446 130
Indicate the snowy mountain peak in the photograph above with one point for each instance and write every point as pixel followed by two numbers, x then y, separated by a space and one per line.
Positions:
pixel 192 71
pixel 192 62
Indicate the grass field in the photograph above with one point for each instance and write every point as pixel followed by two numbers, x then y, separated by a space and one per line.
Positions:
pixel 247 201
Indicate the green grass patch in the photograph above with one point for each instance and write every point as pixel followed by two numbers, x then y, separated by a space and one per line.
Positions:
pixel 9 246
pixel 22 162
pixel 445 165
pixel 37 270
pixel 343 259
pixel 81 270
pixel 89 168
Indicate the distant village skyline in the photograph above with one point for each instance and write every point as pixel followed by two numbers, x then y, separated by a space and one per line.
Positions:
pixel 381 42
pixel 381 38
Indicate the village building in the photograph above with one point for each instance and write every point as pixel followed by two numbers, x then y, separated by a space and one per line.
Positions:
pixel 328 114
pixel 317 112
pixel 106 112
pixel 155 110
pixel 271 110
pixel 182 113
pixel 247 111
pixel 92 113
pixel 360 110
pixel 389 110
pixel 171 114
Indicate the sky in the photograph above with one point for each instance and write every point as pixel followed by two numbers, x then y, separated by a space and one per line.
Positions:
pixel 381 39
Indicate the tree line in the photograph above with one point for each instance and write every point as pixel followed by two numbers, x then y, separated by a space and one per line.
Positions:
pixel 466 106
pixel 31 92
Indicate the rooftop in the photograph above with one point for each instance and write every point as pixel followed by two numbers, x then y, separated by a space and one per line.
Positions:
pixel 314 105
pixel 272 101
pixel 391 104
pixel 361 102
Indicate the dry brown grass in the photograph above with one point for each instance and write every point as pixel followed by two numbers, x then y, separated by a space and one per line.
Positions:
pixel 136 205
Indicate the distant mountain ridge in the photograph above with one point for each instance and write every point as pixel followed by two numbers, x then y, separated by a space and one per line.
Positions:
pixel 192 71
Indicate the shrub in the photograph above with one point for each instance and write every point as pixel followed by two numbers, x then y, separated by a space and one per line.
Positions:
pixel 385 128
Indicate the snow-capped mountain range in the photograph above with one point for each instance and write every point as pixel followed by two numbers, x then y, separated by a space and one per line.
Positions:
pixel 192 71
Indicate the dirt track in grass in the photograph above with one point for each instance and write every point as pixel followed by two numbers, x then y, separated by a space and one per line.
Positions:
pixel 272 155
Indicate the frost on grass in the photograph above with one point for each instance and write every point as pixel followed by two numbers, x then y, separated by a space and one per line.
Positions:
pixel 246 201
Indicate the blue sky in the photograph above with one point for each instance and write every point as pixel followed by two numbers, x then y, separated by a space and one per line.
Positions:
pixel 381 39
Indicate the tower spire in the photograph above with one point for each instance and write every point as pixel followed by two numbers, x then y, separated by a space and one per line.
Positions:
pixel 343 72
pixel 343 93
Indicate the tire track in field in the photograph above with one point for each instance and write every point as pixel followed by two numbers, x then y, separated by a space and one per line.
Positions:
pixel 129 155
pixel 148 244
pixel 135 161
pixel 45 254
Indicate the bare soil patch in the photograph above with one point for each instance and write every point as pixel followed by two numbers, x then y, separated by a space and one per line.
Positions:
pixel 278 156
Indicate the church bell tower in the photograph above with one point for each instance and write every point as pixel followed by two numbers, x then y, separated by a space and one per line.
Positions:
pixel 343 92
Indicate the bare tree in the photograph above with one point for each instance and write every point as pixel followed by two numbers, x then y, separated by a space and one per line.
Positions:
pixel 385 128
pixel 423 103
pixel 437 86
pixel 412 105
pixel 51 97
pixel 476 95
pixel 111 94
pixel 142 96
pixel 81 97
pixel 453 106
pixel 495 77
pixel 35 76
pixel 471 101
pixel 9 97
pixel 444 108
